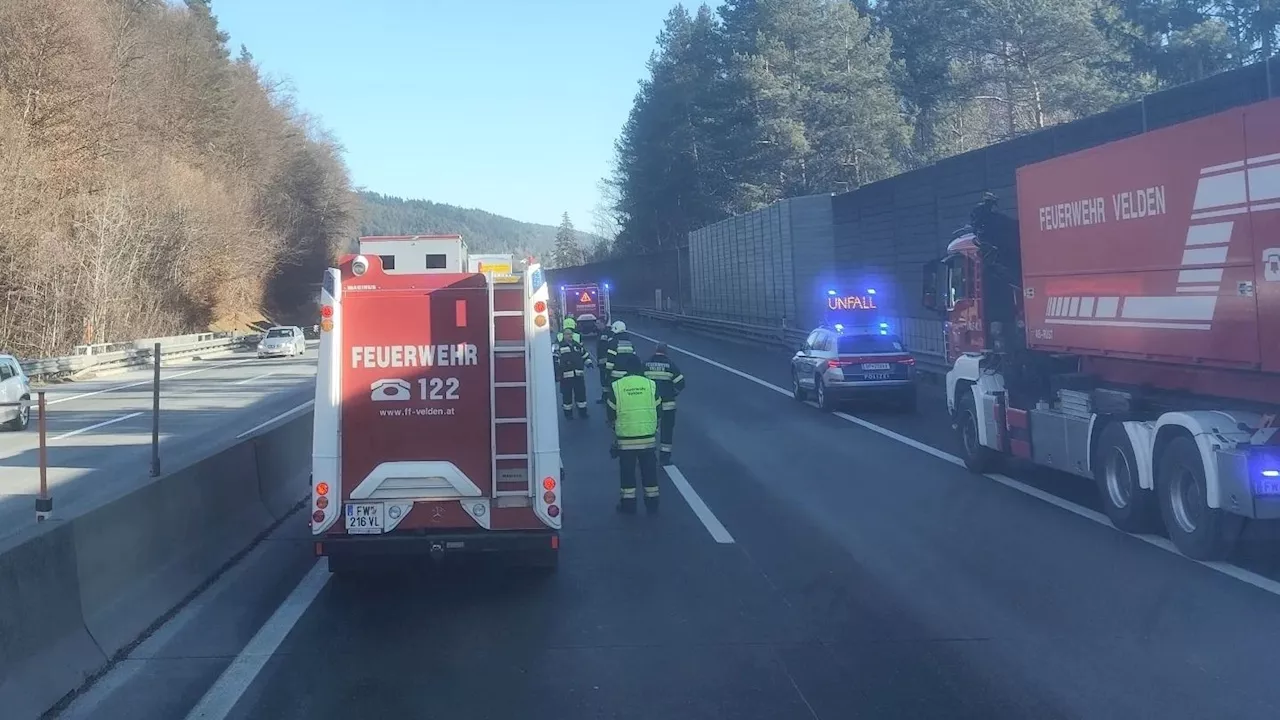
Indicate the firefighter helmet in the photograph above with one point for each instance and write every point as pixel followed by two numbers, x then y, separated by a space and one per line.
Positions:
pixel 618 326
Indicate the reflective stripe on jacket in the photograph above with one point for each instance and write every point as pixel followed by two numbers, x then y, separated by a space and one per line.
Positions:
pixel 621 345
pixel 571 355
pixel 663 371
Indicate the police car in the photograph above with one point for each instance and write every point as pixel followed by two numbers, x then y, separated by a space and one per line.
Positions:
pixel 834 366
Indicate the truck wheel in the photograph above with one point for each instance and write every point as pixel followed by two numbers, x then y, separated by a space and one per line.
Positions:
pixel 1199 531
pixel 977 457
pixel 797 392
pixel 824 398
pixel 1115 469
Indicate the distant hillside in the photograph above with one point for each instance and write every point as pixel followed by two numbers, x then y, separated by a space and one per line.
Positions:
pixel 482 231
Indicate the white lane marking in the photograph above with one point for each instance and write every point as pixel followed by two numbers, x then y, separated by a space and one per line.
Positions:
pixel 221 699
pixel 708 518
pixel 95 426
pixel 281 416
pixel 148 381
pixel 246 381
pixel 1251 578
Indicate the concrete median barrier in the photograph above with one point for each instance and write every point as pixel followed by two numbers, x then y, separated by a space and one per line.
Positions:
pixel 282 480
pixel 45 649
pixel 141 555
pixel 74 593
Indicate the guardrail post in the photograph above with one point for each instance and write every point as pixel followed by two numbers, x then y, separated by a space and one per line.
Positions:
pixel 44 503
pixel 155 412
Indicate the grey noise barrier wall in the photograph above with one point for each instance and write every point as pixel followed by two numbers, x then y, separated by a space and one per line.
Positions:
pixel 75 593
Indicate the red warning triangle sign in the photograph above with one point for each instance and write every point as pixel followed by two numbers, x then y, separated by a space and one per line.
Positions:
pixel 584 297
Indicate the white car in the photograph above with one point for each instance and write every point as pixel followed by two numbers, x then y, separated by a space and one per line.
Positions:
pixel 15 395
pixel 283 341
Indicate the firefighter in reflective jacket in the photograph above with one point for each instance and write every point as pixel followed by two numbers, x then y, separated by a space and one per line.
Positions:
pixel 620 345
pixel 633 403
pixel 571 359
pixel 662 370
pixel 603 343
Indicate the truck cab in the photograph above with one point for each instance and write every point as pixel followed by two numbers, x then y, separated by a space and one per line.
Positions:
pixel 976 286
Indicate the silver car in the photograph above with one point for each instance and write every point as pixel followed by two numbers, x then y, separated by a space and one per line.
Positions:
pixel 15 395
pixel 283 341
pixel 834 367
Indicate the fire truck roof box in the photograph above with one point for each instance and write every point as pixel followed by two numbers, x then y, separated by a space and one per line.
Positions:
pixel 1156 246
pixel 417 253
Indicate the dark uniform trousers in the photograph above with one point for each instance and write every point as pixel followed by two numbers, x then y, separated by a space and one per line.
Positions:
pixel 571 358
pixel 573 392
pixel 666 428
pixel 603 343
pixel 647 463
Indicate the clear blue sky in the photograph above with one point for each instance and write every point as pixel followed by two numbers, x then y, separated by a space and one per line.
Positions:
pixel 506 105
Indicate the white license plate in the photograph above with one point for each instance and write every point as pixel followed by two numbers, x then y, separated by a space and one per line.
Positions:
pixel 365 518
pixel 875 366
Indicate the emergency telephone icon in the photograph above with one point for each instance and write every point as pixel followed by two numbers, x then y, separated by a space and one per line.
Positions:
pixel 389 390
pixel 1271 264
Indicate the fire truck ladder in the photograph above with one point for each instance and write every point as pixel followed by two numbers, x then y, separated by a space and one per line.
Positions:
pixel 509 339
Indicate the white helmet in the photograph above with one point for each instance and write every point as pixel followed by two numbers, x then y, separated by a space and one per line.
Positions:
pixel 618 326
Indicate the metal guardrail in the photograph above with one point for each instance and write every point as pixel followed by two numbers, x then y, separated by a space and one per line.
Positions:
pixel 786 338
pixel 139 352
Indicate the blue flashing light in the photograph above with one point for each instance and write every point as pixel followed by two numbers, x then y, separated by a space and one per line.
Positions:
pixel 884 332
pixel 831 293
pixel 606 286
pixel 1271 473
pixel 871 291
pixel 839 327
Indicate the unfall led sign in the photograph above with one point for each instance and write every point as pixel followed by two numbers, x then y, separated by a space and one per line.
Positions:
pixel 852 302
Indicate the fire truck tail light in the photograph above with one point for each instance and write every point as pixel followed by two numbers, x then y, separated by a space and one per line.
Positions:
pixel 317 517
pixel 322 488
pixel 553 511
pixel 322 502
pixel 549 497
pixel 540 320
pixel 326 311
pixel 548 483
pixel 540 307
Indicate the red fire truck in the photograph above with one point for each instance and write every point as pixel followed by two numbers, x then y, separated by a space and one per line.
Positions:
pixel 588 305
pixel 435 416
pixel 1125 326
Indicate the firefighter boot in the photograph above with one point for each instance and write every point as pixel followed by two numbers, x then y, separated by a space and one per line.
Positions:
pixel 582 412
pixel 651 504
pixel 664 458
pixel 627 506
pixel 568 414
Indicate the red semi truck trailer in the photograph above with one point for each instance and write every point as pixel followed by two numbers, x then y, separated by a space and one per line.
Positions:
pixel 435 415
pixel 1125 326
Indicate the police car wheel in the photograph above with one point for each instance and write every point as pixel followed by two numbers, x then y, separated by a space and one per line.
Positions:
pixel 796 391
pixel 824 398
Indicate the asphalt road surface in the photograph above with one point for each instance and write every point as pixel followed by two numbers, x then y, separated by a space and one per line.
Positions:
pixel 803 566
pixel 99 431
